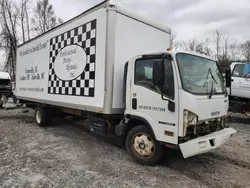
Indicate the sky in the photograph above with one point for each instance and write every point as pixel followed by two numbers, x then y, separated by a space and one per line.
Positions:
pixel 187 18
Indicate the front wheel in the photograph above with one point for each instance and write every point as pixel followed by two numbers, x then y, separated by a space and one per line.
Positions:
pixel 143 146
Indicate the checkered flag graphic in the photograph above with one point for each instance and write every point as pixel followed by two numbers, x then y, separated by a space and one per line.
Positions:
pixel 83 85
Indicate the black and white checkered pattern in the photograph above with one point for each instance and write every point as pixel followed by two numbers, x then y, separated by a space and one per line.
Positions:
pixel 84 85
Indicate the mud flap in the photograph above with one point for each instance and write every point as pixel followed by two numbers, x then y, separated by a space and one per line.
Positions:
pixel 206 143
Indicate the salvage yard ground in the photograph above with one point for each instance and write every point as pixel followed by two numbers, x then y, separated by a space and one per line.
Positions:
pixel 65 155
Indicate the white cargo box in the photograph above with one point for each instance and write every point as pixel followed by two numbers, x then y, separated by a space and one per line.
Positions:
pixel 80 63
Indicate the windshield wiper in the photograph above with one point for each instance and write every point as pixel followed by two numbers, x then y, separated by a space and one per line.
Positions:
pixel 214 80
pixel 211 92
pixel 206 78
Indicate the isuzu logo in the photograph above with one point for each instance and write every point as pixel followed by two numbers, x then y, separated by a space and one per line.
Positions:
pixel 215 113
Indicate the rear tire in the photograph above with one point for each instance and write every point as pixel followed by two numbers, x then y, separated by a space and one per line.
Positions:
pixel 41 117
pixel 51 118
pixel 143 146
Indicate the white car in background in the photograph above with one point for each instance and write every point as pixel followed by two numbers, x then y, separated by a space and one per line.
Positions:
pixel 5 87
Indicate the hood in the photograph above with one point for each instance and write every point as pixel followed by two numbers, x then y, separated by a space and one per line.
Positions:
pixel 204 107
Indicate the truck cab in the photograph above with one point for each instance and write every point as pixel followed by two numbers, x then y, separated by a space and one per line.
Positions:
pixel 180 97
pixel 5 87
pixel 239 92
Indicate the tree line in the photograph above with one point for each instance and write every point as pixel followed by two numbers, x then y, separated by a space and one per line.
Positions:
pixel 20 22
pixel 224 49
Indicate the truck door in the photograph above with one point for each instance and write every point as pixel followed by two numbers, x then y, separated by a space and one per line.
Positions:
pixel 147 102
pixel 240 84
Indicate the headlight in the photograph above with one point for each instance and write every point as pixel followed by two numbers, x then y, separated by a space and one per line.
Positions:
pixel 189 119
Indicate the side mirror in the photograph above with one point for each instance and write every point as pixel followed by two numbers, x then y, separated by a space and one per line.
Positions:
pixel 228 78
pixel 158 73
pixel 171 106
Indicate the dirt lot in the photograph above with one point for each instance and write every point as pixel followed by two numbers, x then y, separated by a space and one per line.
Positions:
pixel 66 156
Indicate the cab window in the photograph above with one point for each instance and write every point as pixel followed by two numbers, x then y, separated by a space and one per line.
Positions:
pixel 238 70
pixel 144 76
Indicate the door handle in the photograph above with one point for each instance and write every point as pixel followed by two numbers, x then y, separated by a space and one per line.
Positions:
pixel 134 103
pixel 232 80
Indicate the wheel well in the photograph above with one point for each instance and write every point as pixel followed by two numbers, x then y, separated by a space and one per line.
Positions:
pixel 135 121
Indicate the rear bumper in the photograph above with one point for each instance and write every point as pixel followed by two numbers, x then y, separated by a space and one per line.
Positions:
pixel 206 143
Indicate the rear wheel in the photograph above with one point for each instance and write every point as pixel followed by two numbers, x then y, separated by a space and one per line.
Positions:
pixel 40 116
pixel 51 116
pixel 44 116
pixel 143 146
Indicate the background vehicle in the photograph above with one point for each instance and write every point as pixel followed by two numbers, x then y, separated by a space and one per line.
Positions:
pixel 5 87
pixel 112 68
pixel 240 88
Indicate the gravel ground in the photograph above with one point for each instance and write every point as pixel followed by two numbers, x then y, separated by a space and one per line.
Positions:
pixel 65 155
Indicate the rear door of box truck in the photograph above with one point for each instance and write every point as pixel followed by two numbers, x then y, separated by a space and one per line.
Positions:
pixel 65 66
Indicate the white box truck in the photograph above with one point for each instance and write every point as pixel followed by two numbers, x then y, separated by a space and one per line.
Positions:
pixel 112 67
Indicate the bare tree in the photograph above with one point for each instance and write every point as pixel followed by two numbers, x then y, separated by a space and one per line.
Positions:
pixel 218 44
pixel 207 48
pixel 189 45
pixel 44 17
pixel 8 34
pixel 24 19
pixel 246 50
pixel 199 48
pixel 178 45
pixel 233 50
pixel 192 44
pixel 172 38
pixel 225 49
pixel 26 10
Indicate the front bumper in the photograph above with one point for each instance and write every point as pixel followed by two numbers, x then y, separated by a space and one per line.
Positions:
pixel 206 143
pixel 6 91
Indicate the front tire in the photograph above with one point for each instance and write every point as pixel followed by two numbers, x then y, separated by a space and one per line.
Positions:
pixel 143 146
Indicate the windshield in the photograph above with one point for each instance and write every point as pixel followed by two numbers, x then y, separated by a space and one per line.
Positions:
pixel 199 75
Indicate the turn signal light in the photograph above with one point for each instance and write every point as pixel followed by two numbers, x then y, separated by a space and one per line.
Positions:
pixel 168 133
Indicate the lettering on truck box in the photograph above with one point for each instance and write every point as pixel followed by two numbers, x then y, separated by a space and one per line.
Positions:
pixel 72 63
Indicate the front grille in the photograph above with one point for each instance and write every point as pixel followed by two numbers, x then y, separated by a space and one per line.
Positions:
pixel 4 82
pixel 204 128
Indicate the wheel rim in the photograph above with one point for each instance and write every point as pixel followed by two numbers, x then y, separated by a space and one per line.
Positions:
pixel 143 145
pixel 38 116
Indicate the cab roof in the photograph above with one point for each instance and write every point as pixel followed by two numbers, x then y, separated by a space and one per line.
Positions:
pixel 174 52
